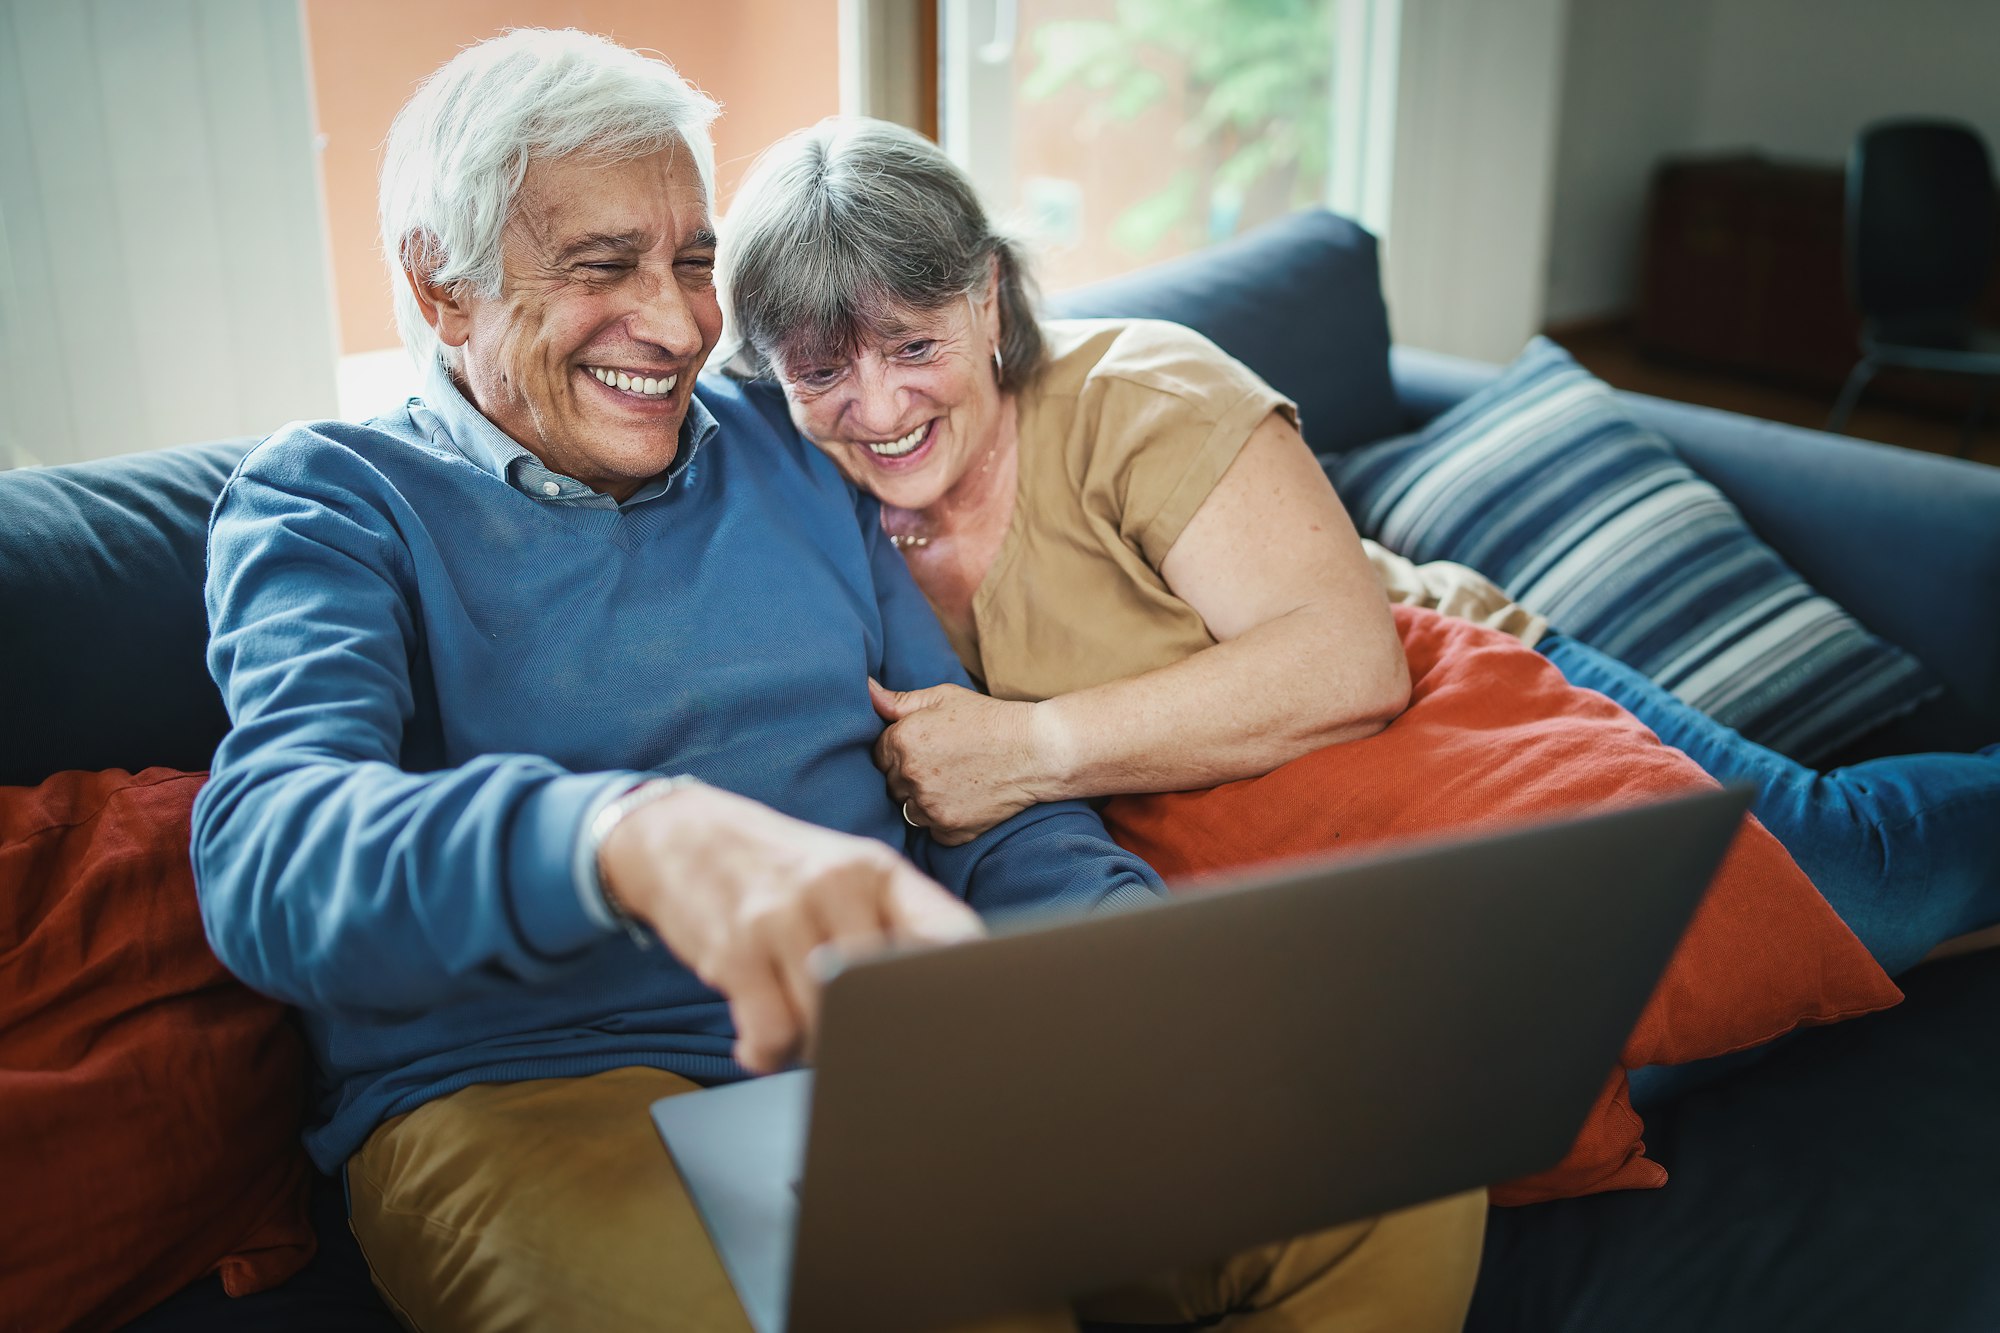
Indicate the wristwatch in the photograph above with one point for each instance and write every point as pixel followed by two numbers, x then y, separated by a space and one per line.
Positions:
pixel 599 829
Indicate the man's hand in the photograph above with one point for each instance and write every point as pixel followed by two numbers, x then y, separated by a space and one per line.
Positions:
pixel 743 895
pixel 964 762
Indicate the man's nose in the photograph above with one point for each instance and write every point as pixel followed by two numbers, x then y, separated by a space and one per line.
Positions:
pixel 665 317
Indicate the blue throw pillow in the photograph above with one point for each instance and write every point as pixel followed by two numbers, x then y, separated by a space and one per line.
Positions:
pixel 1546 485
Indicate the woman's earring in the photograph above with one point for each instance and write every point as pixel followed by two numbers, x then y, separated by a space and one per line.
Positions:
pixel 999 366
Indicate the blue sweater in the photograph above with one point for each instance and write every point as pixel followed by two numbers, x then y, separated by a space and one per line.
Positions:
pixel 434 669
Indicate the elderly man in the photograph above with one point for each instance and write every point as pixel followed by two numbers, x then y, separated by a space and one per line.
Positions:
pixel 553 664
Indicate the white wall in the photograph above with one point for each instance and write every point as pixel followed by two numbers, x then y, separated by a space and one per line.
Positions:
pixel 1631 92
pixel 1791 78
pixel 164 273
pixel 1797 78
pixel 1477 94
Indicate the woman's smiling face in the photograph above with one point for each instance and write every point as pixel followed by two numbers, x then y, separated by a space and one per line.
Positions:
pixel 912 407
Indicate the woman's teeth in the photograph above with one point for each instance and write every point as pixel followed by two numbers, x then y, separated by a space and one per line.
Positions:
pixel 618 379
pixel 897 448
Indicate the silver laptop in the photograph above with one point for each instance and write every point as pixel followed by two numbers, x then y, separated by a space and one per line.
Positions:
pixel 1008 1124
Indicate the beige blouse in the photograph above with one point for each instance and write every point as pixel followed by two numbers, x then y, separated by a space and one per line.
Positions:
pixel 1122 438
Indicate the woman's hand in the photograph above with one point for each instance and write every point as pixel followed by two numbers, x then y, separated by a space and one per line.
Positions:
pixel 962 761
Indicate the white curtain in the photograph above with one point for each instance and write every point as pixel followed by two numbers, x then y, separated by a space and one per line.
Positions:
pixel 164 276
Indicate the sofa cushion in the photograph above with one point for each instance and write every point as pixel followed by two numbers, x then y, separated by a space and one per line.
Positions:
pixel 1845 1182
pixel 1299 301
pixel 149 1102
pixel 1494 735
pixel 101 569
pixel 1544 483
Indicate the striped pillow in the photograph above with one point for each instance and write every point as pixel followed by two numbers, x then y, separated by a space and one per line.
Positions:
pixel 1543 483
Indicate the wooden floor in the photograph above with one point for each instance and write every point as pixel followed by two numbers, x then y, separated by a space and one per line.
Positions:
pixel 1608 351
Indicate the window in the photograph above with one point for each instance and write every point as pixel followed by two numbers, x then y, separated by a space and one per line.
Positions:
pixel 1118 132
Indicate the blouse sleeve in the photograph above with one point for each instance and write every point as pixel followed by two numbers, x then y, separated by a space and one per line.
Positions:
pixel 1161 418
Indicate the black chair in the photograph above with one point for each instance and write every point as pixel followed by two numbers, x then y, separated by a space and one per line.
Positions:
pixel 1921 214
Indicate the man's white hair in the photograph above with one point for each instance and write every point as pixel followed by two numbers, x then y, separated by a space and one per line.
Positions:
pixel 460 148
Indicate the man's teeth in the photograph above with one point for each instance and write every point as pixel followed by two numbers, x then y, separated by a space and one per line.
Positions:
pixel 897 448
pixel 618 379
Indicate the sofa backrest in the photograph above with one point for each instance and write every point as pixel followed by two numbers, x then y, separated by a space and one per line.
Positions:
pixel 101 613
pixel 1298 301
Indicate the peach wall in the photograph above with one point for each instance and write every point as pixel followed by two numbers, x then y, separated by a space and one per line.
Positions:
pixel 773 64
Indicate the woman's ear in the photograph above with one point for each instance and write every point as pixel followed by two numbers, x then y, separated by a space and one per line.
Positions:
pixel 989 311
pixel 443 305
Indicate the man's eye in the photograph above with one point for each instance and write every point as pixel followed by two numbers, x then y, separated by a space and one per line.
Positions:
pixel 605 267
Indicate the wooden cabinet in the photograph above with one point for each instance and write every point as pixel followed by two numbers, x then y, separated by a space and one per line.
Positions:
pixel 1744 268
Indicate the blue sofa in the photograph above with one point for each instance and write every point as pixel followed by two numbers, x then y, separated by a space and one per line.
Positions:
pixel 1846 1181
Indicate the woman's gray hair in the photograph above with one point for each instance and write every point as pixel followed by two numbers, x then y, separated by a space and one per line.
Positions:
pixel 460 148
pixel 842 225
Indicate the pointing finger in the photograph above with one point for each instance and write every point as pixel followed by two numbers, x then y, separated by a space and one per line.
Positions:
pixel 919 909
pixel 767 1031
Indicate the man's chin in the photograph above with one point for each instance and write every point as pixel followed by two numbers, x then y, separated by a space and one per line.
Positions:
pixel 638 458
pixel 636 431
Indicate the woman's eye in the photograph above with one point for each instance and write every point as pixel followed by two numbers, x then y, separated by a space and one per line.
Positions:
pixel 819 379
pixel 917 350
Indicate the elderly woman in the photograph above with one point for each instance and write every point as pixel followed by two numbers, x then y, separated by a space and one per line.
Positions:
pixel 1127 540
pixel 1131 547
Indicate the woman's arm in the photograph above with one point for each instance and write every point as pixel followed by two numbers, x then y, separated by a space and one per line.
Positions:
pixel 1306 655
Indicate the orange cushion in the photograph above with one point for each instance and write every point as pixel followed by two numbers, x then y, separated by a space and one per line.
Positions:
pixel 149 1102
pixel 1494 736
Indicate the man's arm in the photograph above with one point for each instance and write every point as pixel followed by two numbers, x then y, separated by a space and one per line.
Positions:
pixel 329 877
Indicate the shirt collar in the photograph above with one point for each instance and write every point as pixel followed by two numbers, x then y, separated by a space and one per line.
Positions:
pixel 466 429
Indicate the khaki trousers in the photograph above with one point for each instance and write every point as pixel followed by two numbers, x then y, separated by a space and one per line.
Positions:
pixel 552 1205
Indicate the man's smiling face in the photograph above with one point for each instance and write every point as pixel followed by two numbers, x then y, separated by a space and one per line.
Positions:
pixel 606 312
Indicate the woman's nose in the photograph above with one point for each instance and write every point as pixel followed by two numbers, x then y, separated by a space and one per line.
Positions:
pixel 876 408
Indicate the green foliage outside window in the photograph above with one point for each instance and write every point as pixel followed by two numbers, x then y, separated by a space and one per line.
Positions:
pixel 1256 75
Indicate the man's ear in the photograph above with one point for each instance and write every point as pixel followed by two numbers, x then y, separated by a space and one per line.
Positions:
pixel 442 304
